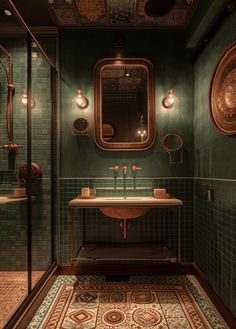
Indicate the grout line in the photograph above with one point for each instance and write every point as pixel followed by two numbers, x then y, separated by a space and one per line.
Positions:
pixel 149 177
pixel 121 178
pixel 218 179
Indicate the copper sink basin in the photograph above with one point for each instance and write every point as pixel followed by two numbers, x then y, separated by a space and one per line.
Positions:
pixel 124 213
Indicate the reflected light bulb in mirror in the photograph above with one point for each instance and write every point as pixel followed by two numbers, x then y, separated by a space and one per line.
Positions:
pixel 141 131
pixel 24 101
pixel 169 100
pixel 81 100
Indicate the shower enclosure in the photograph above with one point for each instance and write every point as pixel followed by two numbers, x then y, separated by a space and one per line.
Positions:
pixel 28 109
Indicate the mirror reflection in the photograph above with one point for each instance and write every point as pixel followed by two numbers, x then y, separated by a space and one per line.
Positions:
pixel 124 106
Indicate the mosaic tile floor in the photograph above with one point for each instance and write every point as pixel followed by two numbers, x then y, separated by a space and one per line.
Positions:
pixel 13 290
pixel 161 302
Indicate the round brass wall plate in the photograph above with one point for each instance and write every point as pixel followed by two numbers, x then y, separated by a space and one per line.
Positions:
pixel 222 93
pixel 36 173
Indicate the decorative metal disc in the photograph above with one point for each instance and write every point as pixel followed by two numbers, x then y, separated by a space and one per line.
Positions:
pixel 223 93
pixel 35 173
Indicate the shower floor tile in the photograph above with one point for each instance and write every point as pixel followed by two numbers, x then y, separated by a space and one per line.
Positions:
pixel 13 290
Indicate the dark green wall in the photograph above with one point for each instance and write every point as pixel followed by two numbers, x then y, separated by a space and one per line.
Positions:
pixel 215 159
pixel 80 50
pixel 215 154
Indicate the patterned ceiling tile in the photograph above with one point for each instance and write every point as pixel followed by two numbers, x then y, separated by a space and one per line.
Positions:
pixel 177 17
pixel 121 12
pixel 91 9
pixel 112 13
pixel 142 18
pixel 65 16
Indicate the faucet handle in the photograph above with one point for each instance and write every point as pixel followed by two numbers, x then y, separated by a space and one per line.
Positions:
pixel 134 168
pixel 115 168
pixel 124 168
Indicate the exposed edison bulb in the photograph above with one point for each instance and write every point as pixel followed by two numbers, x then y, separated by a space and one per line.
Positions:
pixel 81 100
pixel 171 97
pixel 24 101
pixel 169 100
pixel 7 12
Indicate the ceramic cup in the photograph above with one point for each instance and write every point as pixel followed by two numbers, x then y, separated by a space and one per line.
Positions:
pixel 85 191
pixel 19 192
pixel 159 192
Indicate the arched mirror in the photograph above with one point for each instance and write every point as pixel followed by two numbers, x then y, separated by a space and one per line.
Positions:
pixel 124 104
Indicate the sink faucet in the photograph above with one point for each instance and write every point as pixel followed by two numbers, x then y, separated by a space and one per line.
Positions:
pixel 115 169
pixel 134 169
pixel 124 169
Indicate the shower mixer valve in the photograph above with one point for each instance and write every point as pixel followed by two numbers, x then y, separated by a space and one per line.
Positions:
pixel 11 146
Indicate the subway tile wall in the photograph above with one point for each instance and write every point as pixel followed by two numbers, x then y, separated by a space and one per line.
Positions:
pixel 154 227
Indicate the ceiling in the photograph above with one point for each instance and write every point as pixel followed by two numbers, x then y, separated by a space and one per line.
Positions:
pixel 198 19
pixel 106 13
pixel 117 13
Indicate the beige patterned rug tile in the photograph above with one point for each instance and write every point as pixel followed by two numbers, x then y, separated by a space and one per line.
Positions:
pixel 102 305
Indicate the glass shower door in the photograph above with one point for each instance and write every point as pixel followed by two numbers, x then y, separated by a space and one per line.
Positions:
pixel 41 156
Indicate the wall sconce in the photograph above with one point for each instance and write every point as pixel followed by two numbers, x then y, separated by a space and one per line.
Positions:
pixel 24 101
pixel 81 100
pixel 170 99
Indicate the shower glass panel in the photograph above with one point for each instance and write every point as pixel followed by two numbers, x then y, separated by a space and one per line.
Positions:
pixel 41 158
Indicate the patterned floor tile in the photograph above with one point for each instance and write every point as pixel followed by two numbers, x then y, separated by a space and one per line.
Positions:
pixel 145 302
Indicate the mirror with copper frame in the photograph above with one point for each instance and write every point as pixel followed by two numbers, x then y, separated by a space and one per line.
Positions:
pixel 124 104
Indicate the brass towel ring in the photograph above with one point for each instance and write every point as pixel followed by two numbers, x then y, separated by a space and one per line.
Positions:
pixel 173 145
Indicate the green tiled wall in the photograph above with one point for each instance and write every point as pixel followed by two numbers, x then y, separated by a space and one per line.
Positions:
pixel 215 158
pixel 215 236
pixel 13 233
